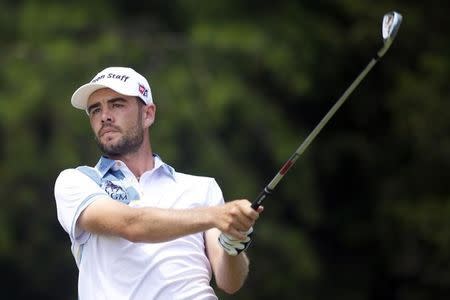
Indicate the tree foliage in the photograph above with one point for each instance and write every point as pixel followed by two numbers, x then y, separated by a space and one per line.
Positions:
pixel 364 214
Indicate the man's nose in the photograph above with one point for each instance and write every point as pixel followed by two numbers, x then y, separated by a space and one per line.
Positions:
pixel 106 116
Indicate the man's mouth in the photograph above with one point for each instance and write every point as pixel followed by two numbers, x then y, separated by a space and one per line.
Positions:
pixel 106 130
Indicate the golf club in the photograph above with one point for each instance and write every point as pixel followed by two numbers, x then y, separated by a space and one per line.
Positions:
pixel 391 23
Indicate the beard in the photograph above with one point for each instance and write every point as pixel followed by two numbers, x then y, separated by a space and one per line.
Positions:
pixel 128 143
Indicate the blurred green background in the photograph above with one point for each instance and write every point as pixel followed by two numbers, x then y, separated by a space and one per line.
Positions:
pixel 365 212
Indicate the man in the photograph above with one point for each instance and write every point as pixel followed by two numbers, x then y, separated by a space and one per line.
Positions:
pixel 139 229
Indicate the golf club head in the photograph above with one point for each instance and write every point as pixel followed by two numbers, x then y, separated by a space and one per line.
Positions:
pixel 391 23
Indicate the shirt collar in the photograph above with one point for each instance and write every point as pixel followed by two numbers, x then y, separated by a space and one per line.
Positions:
pixel 105 164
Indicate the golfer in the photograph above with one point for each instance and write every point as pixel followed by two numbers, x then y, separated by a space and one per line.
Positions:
pixel 139 229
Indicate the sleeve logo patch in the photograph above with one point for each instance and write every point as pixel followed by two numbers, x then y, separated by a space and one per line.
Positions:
pixel 116 192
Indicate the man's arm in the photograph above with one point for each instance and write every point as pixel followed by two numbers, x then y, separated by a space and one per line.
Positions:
pixel 146 224
pixel 229 271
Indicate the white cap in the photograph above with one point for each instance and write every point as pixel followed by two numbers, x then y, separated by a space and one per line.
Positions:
pixel 125 81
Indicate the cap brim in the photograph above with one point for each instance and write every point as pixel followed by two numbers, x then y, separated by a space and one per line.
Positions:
pixel 81 96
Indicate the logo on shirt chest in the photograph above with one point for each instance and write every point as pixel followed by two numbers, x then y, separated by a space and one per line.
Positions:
pixel 115 191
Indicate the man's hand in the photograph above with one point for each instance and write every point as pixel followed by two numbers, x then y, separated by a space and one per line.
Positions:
pixel 235 218
pixel 235 221
pixel 232 246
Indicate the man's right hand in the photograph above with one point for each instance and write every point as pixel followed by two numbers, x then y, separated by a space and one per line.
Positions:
pixel 235 218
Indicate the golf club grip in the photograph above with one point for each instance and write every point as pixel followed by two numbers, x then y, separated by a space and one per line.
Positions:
pixel 263 195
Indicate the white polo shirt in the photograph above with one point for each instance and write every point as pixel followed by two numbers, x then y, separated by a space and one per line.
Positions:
pixel 114 268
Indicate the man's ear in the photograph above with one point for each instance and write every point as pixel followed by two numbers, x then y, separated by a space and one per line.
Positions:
pixel 148 115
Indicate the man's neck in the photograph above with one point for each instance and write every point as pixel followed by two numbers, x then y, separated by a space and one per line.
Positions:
pixel 138 162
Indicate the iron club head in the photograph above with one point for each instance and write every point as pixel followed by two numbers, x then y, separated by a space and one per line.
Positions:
pixel 391 23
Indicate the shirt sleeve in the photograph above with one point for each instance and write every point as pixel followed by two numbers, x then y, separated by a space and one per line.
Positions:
pixel 74 191
pixel 214 194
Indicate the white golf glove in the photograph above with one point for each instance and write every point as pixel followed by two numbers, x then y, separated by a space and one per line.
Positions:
pixel 233 246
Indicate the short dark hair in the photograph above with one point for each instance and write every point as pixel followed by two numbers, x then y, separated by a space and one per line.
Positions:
pixel 140 101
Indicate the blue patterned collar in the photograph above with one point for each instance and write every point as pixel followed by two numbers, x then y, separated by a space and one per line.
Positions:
pixel 105 164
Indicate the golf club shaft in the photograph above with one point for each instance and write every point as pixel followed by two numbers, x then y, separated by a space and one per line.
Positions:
pixel 291 161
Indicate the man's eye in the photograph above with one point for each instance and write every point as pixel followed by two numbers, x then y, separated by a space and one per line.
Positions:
pixel 117 105
pixel 94 111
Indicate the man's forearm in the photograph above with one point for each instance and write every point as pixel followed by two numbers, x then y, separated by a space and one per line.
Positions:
pixel 160 225
pixel 232 272
pixel 152 225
